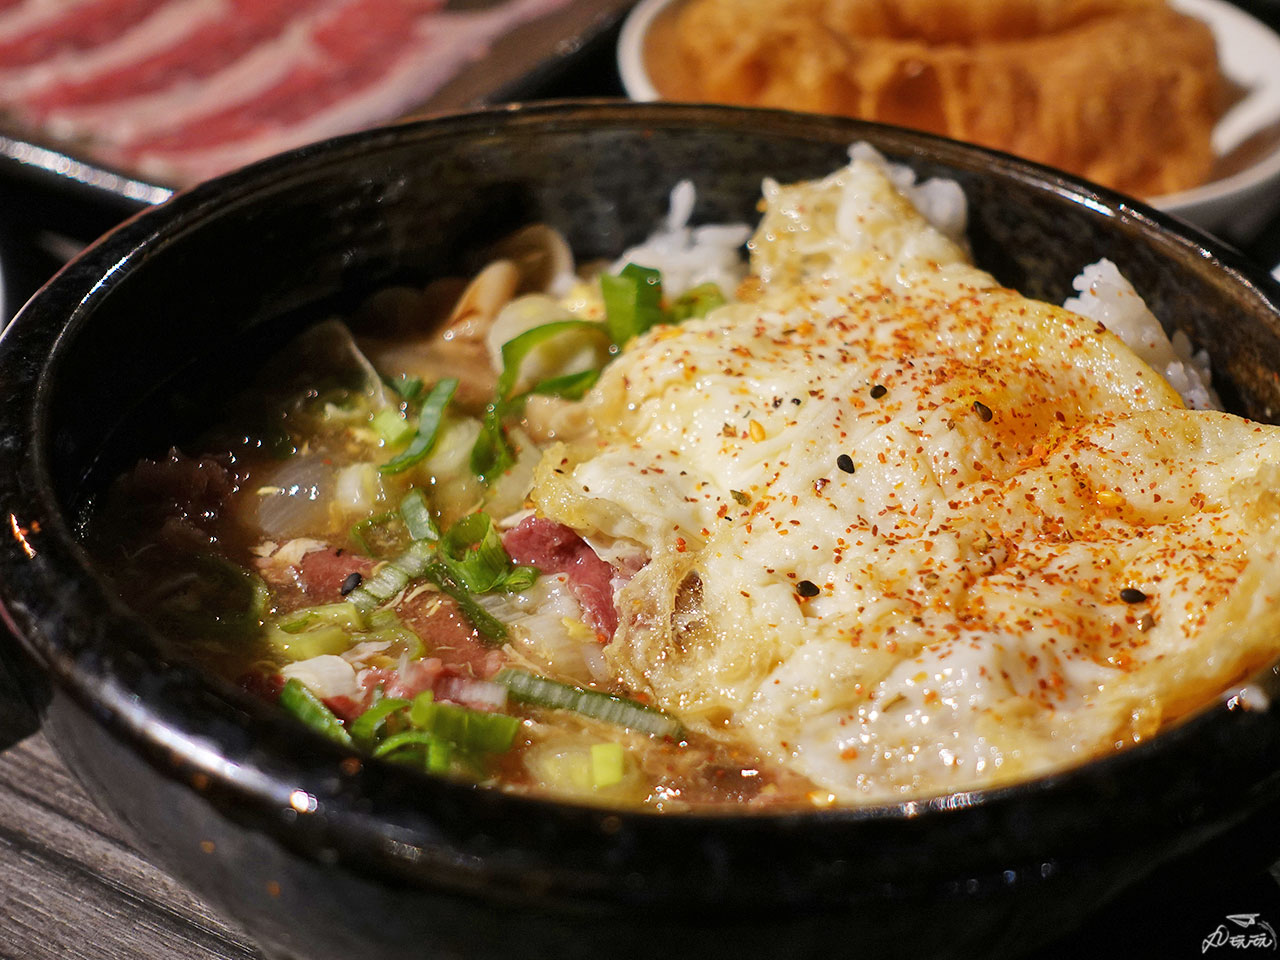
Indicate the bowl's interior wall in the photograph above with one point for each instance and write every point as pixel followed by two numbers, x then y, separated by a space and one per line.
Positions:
pixel 160 347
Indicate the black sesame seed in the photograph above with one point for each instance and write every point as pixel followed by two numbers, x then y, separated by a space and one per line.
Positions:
pixel 878 391
pixel 353 580
pixel 807 588
pixel 845 463
pixel 796 401
pixel 982 410
pixel 1132 595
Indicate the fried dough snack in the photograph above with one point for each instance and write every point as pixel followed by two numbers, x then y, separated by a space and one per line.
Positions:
pixel 1123 92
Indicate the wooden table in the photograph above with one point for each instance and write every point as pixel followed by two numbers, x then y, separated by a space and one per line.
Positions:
pixel 72 886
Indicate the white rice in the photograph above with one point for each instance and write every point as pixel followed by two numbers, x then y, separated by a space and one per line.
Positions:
pixel 1108 298
pixel 689 256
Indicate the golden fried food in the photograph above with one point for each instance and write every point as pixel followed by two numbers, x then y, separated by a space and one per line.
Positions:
pixel 1122 92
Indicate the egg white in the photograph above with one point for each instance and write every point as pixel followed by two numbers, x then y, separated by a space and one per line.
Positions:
pixel 899 518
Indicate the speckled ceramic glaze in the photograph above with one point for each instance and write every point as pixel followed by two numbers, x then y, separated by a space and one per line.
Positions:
pixel 320 856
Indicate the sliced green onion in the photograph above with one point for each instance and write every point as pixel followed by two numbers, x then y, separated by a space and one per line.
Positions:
pixel 542 692
pixel 439 756
pixel 345 614
pixel 474 554
pixel 607 764
pixel 428 427
pixel 310 709
pixel 417 516
pixel 436 754
pixel 474 730
pixel 415 563
pixel 520 578
pixel 632 301
pixel 223 600
pixel 472 550
pixel 386 626
pixel 517 348
pixel 336 627
pixel 633 304
pixel 572 386
pixel 487 625
pixel 309 643
pixel 261 595
pixel 440 727
pixel 367 728
pixel 492 453
pixel 409 388
pixel 393 576
pixel 381 587
pixel 392 427
pixel 696 302
pixel 405 738
pixel 357 531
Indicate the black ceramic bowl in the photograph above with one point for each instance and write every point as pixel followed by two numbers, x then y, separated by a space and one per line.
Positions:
pixel 130 348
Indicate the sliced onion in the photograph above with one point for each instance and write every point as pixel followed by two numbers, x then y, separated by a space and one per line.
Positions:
pixel 545 626
pixel 362 652
pixel 326 676
pixel 452 453
pixel 295 498
pixel 447 469
pixel 477 694
pixel 356 489
pixel 507 493
pixel 597 665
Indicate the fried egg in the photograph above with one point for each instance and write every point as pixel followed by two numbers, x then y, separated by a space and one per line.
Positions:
pixel 908 531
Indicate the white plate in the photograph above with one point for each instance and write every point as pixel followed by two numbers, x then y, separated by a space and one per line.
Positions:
pixel 1249 53
pixel 1235 207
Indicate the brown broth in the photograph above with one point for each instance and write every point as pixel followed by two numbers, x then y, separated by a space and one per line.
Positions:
pixel 171 533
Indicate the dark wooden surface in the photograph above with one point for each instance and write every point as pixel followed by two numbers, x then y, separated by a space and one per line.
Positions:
pixel 74 887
